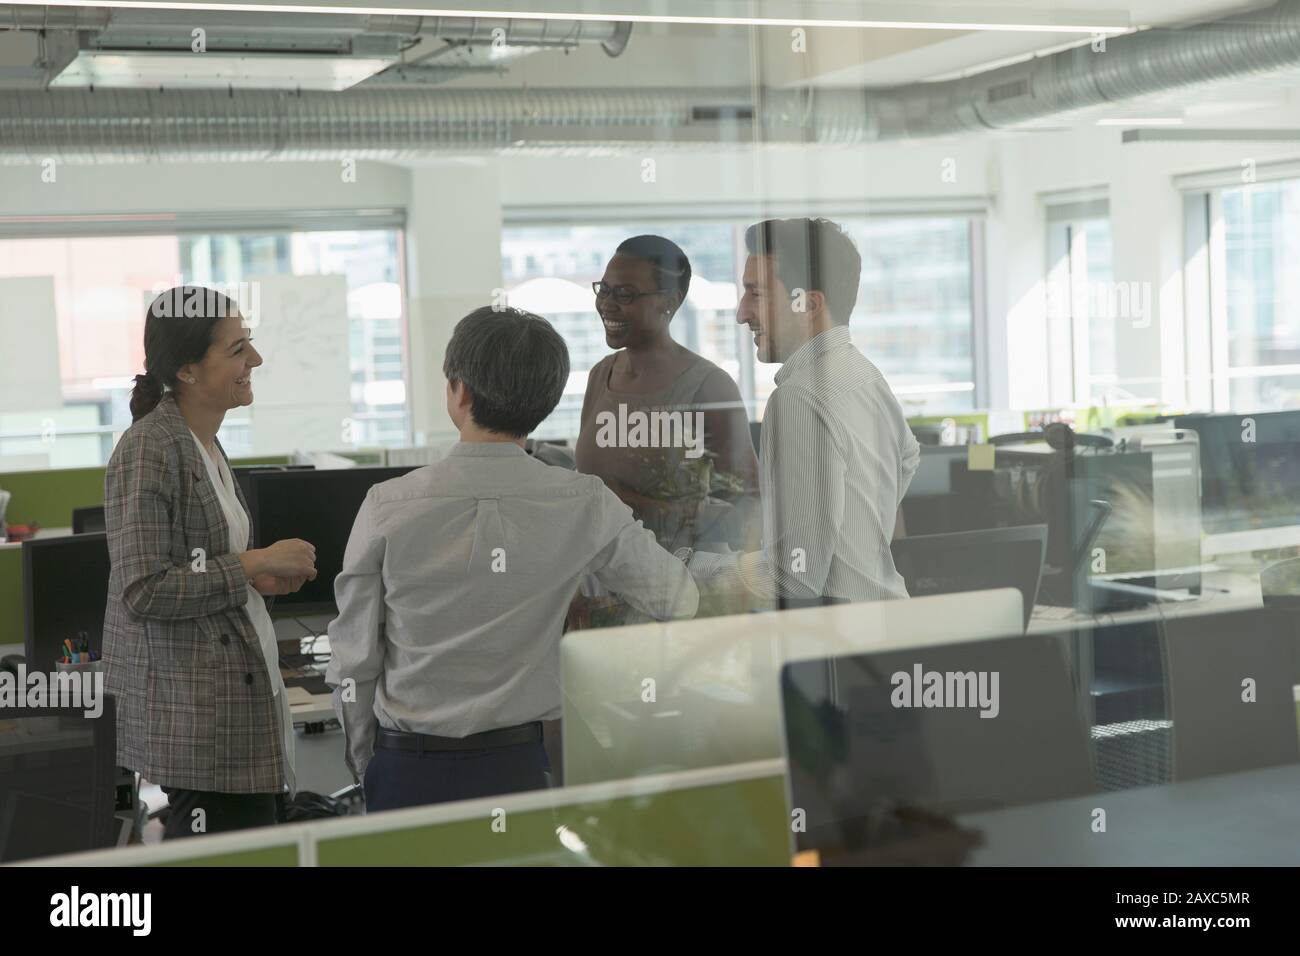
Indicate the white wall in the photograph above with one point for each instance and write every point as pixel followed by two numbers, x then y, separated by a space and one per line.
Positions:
pixel 173 187
pixel 749 177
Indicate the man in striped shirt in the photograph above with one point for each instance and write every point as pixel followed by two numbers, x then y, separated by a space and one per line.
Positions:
pixel 837 454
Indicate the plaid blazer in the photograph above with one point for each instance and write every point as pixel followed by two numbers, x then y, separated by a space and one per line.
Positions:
pixel 194 700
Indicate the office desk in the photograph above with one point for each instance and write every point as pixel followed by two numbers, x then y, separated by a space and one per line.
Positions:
pixel 307 708
pixel 1222 590
pixel 1240 819
pixel 40 535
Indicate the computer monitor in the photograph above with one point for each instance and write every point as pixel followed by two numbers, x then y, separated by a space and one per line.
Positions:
pixel 711 696
pixel 318 506
pixel 888 747
pixel 934 470
pixel 1222 723
pixel 87 520
pixel 1250 479
pixel 974 561
pixel 1099 508
pixel 243 475
pixel 57 781
pixel 65 591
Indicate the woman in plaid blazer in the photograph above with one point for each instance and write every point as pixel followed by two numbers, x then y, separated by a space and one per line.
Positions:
pixel 201 706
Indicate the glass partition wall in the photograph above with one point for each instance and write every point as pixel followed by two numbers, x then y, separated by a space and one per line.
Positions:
pixel 957 399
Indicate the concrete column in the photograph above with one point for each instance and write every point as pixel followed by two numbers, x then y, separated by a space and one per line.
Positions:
pixel 453 266
pixel 1146 218
pixel 1017 297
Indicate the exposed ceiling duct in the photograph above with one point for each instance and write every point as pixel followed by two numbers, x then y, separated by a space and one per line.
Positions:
pixel 108 47
pixel 106 126
pixel 116 27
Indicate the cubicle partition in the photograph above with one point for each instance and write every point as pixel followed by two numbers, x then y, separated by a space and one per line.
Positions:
pixel 724 816
pixel 681 695
pixel 47 498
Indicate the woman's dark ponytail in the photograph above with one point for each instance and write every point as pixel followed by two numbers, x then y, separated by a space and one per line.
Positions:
pixel 178 328
pixel 146 395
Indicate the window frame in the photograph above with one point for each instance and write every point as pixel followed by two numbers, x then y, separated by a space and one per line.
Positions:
pixel 974 209
pixel 1205 280
pixel 1069 343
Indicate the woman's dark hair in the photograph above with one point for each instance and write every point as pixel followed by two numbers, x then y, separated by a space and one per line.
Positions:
pixel 177 331
pixel 672 270
pixel 514 364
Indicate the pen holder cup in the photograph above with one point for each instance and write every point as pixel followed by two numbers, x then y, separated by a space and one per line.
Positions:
pixel 87 667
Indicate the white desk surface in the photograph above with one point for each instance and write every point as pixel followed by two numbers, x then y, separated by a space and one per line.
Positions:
pixel 1222 590
pixel 307 708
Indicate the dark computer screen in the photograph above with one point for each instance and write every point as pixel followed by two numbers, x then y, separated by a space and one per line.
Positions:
pixel 57 775
pixel 87 520
pixel 243 475
pixel 869 751
pixel 1123 706
pixel 318 507
pixel 974 561
pixel 65 589
pixel 1250 469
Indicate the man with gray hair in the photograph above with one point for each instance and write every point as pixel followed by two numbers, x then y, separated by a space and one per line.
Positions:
pixel 457 578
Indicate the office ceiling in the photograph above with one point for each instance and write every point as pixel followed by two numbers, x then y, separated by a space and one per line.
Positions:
pixel 92 84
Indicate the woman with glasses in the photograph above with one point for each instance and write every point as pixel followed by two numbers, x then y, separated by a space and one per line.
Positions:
pixel 663 427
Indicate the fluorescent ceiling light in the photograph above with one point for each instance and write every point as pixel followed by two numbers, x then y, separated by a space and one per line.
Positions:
pixel 1141 121
pixel 151 69
pixel 1114 25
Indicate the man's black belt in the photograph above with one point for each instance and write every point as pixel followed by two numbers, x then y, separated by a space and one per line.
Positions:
pixel 429 743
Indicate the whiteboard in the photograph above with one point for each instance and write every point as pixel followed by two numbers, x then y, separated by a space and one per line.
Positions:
pixel 29 346
pixel 302 392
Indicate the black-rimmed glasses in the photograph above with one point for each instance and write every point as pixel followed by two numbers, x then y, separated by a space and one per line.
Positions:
pixel 623 294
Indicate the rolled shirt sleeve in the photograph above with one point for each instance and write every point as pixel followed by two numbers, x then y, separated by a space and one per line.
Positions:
pixel 803 476
pixel 634 566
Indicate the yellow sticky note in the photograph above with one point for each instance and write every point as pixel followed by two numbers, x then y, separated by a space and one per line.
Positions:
pixel 979 457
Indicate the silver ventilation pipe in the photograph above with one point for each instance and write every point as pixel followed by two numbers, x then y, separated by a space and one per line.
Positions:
pixel 130 125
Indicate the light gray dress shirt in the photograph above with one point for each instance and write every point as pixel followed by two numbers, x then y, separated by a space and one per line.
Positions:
pixel 455 585
pixel 837 456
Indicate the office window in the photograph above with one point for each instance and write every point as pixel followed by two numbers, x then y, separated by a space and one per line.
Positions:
pixel 1260 321
pixel 102 284
pixel 915 316
pixel 1081 305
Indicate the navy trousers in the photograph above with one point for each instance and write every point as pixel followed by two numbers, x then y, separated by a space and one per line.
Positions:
pixel 222 812
pixel 402 778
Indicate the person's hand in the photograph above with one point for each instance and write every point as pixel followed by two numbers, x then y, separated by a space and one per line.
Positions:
pixel 289 558
pixel 270 586
pixel 703 565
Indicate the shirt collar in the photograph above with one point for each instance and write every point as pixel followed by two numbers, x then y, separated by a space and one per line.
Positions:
pixel 486 449
pixel 834 337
